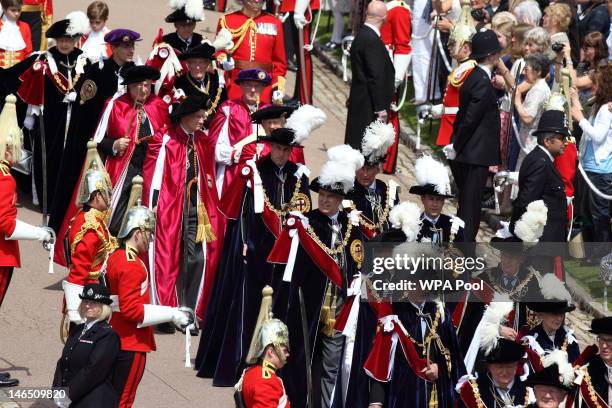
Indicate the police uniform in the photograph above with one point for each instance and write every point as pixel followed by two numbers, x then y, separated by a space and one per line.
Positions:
pixel 258 43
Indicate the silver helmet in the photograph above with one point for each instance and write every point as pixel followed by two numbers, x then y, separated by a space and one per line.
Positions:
pixel 95 177
pixel 137 215
pixel 274 333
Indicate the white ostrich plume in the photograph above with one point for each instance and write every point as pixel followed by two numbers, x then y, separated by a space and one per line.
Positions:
pixel 377 138
pixel 336 172
pixel 304 120
pixel 530 226
pixel 566 370
pixel 223 40
pixel 347 155
pixel 493 317
pixel 407 217
pixel 427 170
pixel 553 288
pixel 79 23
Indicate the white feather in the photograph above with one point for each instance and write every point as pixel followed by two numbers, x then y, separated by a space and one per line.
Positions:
pixel 79 23
pixel 495 314
pixel 559 357
pixel 427 170
pixel 304 120
pixel 553 288
pixel 347 155
pixel 530 226
pixel 407 216
pixel 194 9
pixel 377 138
pixel 334 172
pixel 177 4
pixel 223 40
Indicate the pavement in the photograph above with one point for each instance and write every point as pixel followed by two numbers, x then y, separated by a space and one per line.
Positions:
pixel 30 315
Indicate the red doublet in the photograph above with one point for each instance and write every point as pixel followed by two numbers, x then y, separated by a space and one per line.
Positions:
pixel 451 100
pixel 262 388
pixel 288 6
pixel 9 250
pixel 90 244
pixel 258 43
pixel 10 58
pixel 128 279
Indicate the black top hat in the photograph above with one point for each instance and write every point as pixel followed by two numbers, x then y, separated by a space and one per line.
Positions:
pixel 548 376
pixel 272 112
pixel 555 306
pixel 603 325
pixel 179 16
pixel 204 50
pixel 506 351
pixel 282 136
pixel 336 188
pixel 97 293
pixel 59 29
pixel 254 74
pixel 191 104
pixel 513 245
pixel 552 121
pixel 139 73
pixel 428 189
pixel 484 43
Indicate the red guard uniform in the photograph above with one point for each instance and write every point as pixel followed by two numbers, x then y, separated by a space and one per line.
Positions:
pixel 9 250
pixel 38 14
pixel 90 244
pixel 451 100
pixel 127 278
pixel 395 34
pixel 262 388
pixel 8 58
pixel 258 43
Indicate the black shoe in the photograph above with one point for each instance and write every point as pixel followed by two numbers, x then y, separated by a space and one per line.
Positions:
pixel 4 376
pixel 9 382
pixel 210 5
pixel 167 328
pixel 194 331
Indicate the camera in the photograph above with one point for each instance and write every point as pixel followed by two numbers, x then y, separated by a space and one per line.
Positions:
pixel 557 47
pixel 478 14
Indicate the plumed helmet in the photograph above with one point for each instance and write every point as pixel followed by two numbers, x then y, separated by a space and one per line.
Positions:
pixel 10 133
pixel 464 29
pixel 95 178
pixel 137 215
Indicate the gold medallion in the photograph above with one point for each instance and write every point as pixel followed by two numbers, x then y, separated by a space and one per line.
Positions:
pixel 88 90
pixel 356 250
pixel 300 203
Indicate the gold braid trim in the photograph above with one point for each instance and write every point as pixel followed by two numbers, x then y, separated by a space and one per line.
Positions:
pixel 328 250
pixel 376 226
pixel 240 33
pixel 92 224
pixel 287 207
pixel 592 393
pixel 476 392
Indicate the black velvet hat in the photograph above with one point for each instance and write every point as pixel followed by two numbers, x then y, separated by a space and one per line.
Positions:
pixel 204 50
pixel 513 245
pixel 428 189
pixel 59 29
pixel 552 121
pixel 272 112
pixel 97 293
pixel 336 188
pixel 121 35
pixel 561 306
pixel 139 73
pixel 180 16
pixel 191 104
pixel 548 376
pixel 282 136
pixel 484 43
pixel 506 351
pixel 603 325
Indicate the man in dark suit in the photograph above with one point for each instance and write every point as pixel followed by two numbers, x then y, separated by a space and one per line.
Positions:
pixel 539 179
pixel 475 139
pixel 372 85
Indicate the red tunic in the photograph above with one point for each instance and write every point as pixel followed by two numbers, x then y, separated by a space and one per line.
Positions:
pixel 10 58
pixel 45 6
pixel 262 388
pixel 90 245
pixel 451 100
pixel 258 43
pixel 566 166
pixel 396 31
pixel 128 279
pixel 9 250
pixel 288 6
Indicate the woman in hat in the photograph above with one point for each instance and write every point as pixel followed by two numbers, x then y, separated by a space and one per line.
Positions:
pixel 48 87
pixel 127 125
pixel 87 360
pixel 551 333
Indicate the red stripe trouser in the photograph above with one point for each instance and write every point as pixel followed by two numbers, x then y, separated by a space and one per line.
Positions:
pixel 6 272
pixel 127 373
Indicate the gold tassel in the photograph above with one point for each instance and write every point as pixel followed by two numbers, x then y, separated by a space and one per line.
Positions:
pixel 433 398
pixel 205 231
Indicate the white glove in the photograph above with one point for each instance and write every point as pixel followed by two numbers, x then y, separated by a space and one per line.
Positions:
pixel 180 318
pixel 228 64
pixel 401 63
pixel 73 301
pixel 569 200
pixel 28 122
pixel 156 314
pixel 70 97
pixel 278 96
pixel 299 20
pixel 236 155
pixel 449 152
pixel 28 232
pixel 437 111
pixel 513 177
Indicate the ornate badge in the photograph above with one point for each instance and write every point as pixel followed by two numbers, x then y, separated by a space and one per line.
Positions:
pixel 261 75
pixel 88 90
pixel 163 53
pixel 300 203
pixel 356 250
pixel 37 66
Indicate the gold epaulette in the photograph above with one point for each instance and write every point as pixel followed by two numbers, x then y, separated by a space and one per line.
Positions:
pixel 267 369
pixel 109 243
pixel 130 253
pixel 5 169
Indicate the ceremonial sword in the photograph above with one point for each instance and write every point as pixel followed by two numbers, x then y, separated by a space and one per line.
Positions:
pixel 307 354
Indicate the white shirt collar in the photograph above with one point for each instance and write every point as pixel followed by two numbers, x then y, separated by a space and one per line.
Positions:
pixel 376 30
pixel 432 220
pixel 486 69
pixel 334 217
pixel 552 159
